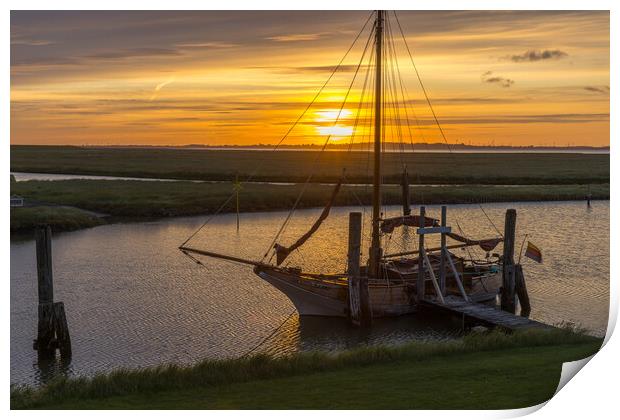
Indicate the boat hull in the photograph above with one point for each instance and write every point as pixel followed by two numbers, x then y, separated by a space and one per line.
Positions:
pixel 325 297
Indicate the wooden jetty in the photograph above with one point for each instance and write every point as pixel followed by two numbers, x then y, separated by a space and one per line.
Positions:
pixel 481 314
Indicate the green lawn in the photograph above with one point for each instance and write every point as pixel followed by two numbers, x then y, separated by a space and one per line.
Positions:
pixel 484 371
pixel 295 166
pixel 497 379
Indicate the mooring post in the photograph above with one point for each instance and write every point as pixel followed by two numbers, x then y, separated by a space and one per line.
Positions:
pixel 45 330
pixel 524 298
pixel 508 263
pixel 442 261
pixel 62 330
pixel 405 193
pixel 353 267
pixel 421 273
pixel 360 312
pixel 52 328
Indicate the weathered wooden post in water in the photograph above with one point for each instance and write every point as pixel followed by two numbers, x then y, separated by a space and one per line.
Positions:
pixel 52 328
pixel 508 303
pixel 442 258
pixel 524 298
pixel 405 193
pixel 421 271
pixel 360 312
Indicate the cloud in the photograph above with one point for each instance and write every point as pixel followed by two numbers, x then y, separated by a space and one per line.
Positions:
pixel 598 89
pixel 344 68
pixel 538 55
pixel 488 77
pixel 161 86
pixel 297 37
pixel 135 52
pixel 215 44
pixel 31 42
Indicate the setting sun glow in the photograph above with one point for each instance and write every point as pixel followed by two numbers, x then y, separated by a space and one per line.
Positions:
pixel 239 78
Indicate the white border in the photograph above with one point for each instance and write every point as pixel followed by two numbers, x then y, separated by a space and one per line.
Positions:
pixel 593 394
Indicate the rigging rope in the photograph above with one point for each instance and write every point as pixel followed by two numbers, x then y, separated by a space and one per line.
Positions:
pixel 251 176
pixel 306 183
pixel 430 105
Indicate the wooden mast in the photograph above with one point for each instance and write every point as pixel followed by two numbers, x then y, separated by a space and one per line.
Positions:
pixel 375 247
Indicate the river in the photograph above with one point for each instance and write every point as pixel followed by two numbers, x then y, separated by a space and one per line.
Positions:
pixel 133 300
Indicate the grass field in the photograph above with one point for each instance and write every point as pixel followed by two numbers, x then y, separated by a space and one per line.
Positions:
pixel 161 199
pixel 484 371
pixel 295 166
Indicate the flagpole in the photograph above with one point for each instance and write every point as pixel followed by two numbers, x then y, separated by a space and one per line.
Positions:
pixel 521 249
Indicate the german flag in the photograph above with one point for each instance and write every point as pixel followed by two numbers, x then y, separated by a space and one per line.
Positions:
pixel 533 252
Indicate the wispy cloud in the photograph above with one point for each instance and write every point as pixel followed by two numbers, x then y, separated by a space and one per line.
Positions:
pixel 344 68
pixel 135 52
pixel 598 89
pixel 214 44
pixel 488 77
pixel 538 55
pixel 297 37
pixel 31 42
pixel 161 86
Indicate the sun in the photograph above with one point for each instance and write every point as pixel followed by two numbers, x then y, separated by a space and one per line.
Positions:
pixel 332 122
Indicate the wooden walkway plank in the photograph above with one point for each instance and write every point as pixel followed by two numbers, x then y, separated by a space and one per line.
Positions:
pixel 484 314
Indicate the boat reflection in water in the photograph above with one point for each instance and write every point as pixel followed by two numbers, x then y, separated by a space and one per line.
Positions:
pixel 315 333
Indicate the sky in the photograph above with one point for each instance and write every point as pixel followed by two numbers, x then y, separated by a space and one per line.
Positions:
pixel 238 77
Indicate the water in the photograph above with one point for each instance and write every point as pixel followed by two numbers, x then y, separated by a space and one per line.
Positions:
pixel 133 300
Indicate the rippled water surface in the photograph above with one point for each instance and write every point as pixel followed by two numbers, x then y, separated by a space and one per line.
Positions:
pixel 132 299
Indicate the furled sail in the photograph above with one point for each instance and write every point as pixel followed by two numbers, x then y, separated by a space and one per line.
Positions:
pixel 282 251
pixel 388 225
pixel 485 244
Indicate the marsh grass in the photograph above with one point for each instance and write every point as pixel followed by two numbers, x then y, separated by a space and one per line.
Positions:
pixel 295 166
pixel 258 367
pixel 162 199
pixel 59 218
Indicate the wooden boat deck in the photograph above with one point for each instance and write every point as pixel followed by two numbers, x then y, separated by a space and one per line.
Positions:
pixel 483 314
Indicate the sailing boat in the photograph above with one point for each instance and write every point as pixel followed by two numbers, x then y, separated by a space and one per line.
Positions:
pixel 391 284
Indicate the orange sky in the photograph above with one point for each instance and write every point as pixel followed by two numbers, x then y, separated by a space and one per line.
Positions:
pixel 174 78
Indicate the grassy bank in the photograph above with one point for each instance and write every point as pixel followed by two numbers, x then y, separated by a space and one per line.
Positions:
pixel 59 218
pixel 482 371
pixel 161 199
pixel 295 166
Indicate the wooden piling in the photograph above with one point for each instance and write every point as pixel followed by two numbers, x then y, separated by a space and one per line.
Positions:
pixel 62 330
pixel 52 328
pixel 353 267
pixel 442 260
pixel 421 273
pixel 45 327
pixel 360 312
pixel 405 193
pixel 521 289
pixel 508 282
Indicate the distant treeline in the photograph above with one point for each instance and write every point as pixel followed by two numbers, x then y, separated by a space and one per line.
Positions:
pixel 388 147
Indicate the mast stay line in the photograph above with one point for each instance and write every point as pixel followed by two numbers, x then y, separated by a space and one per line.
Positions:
pixel 189 250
